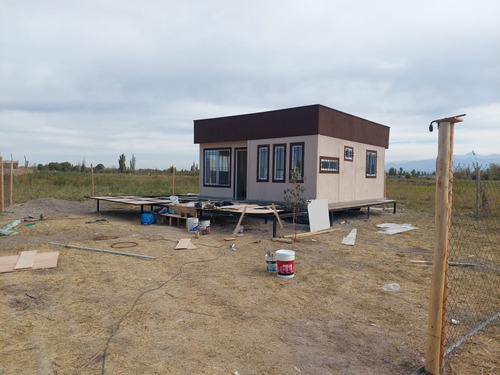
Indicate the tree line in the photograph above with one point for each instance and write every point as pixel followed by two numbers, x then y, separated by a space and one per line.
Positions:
pixel 122 167
pixel 492 172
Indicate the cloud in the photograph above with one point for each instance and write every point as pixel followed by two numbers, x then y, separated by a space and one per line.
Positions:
pixel 98 78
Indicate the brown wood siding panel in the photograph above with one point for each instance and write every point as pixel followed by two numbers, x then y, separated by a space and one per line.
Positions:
pixel 341 125
pixel 273 124
pixel 291 122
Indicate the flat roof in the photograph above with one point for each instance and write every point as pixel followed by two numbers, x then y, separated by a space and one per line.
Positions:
pixel 291 122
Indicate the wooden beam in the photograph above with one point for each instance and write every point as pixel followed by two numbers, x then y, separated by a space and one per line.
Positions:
pixel 309 234
pixel 239 221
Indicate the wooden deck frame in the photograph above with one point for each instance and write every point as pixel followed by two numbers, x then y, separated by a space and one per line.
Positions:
pixel 134 201
pixel 346 206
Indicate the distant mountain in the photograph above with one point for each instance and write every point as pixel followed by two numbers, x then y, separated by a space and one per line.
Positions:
pixel 429 165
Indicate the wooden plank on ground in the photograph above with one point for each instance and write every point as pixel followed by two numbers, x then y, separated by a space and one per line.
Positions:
pixel 239 221
pixel 7 263
pixel 309 234
pixel 42 260
pixel 46 260
pixel 284 240
pixel 185 244
pixel 26 259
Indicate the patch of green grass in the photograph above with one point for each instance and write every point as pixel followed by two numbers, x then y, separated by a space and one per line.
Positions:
pixel 75 186
pixel 419 195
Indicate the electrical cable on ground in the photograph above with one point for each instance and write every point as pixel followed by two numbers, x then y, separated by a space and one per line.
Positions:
pixel 148 291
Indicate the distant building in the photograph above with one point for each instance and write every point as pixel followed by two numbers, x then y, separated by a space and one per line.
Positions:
pixel 338 156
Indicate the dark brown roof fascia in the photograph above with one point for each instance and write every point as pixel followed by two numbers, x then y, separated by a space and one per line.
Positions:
pixel 291 122
pixel 342 125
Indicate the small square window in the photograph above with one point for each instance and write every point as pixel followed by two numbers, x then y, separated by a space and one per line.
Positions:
pixel 328 165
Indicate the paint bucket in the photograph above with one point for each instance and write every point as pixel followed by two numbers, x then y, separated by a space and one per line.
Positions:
pixel 148 218
pixel 270 263
pixel 285 260
pixel 192 224
pixel 205 227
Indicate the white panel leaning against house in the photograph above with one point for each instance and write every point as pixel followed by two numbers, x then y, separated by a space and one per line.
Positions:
pixel 318 215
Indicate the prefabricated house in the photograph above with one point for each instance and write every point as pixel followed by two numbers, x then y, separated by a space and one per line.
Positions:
pixel 338 156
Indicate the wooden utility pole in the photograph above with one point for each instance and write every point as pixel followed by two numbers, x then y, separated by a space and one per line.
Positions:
pixel 92 179
pixel 11 189
pixel 439 284
pixel 173 180
pixel 478 187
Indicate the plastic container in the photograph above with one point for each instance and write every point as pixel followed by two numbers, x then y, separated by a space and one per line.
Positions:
pixel 192 224
pixel 204 227
pixel 285 263
pixel 148 218
pixel 270 263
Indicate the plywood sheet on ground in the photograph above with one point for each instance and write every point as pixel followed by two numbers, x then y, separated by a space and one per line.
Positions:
pixel 26 260
pixel 42 260
pixel 185 244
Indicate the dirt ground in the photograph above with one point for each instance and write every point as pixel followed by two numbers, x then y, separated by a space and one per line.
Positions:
pixel 213 310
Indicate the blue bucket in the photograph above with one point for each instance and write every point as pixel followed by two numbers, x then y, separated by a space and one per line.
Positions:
pixel 148 218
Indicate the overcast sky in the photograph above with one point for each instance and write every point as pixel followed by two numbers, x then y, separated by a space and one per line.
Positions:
pixel 90 80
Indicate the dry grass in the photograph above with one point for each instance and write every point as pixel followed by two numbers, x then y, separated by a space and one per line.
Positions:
pixel 214 310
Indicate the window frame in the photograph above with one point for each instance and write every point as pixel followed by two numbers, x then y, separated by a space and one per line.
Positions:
pixel 217 185
pixel 275 146
pixel 302 144
pixel 352 153
pixel 367 174
pixel 261 147
pixel 329 158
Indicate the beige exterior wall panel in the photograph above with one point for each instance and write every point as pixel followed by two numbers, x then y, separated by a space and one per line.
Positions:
pixel 350 183
pixel 273 191
pixel 218 192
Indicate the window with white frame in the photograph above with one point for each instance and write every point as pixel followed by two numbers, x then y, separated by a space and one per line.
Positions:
pixel 297 160
pixel 217 166
pixel 279 155
pixel 348 153
pixel 371 163
pixel 328 164
pixel 263 163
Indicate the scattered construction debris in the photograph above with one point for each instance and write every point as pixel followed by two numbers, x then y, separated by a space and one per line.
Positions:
pixel 185 244
pixel 395 228
pixel 351 238
pixel 6 230
pixel 123 244
pixel 394 287
pixel 102 251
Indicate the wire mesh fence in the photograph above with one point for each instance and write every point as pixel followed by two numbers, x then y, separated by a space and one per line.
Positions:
pixel 473 299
